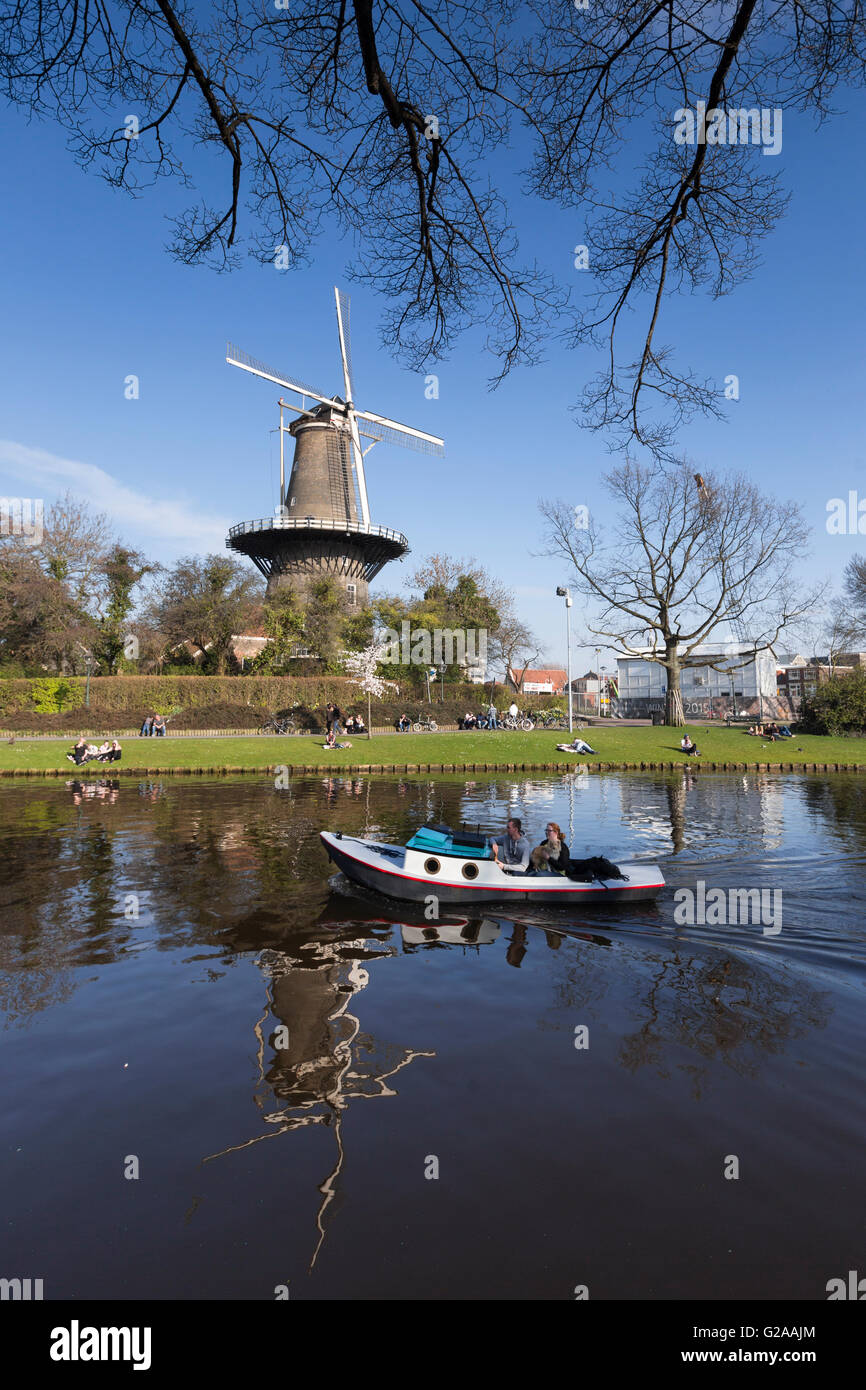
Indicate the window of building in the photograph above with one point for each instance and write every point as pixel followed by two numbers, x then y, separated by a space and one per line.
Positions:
pixel 352 591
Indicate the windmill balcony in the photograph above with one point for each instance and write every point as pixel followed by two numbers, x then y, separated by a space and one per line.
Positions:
pixel 313 523
pixel 299 550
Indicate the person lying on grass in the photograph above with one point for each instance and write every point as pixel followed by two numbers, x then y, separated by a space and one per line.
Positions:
pixel 579 745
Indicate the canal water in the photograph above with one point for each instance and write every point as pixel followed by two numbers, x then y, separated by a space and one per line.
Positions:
pixel 225 1074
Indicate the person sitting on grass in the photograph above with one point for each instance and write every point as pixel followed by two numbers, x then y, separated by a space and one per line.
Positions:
pixel 360 726
pixel 785 732
pixel 79 751
pixel 331 740
pixel 403 724
pixel 690 749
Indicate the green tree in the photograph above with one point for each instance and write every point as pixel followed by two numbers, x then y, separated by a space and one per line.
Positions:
pixel 206 600
pixel 284 625
pixel 122 569
pixel 325 616
pixel 838 706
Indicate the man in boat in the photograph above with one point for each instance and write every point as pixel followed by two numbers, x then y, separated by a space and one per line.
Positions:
pixel 511 850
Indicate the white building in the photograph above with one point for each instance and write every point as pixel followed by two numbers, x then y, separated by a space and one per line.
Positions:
pixel 744 679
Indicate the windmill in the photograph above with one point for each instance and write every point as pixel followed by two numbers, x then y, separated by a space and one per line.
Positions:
pixel 322 525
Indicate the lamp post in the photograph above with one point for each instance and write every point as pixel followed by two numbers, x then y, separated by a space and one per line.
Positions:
pixel 566 594
pixel 88 660
pixel 598 679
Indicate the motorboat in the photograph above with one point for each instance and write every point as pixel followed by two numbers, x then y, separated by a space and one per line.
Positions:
pixel 457 866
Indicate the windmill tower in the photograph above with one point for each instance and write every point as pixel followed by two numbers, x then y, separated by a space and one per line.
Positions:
pixel 322 526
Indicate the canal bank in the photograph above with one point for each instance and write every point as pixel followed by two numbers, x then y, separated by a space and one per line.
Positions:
pixel 615 749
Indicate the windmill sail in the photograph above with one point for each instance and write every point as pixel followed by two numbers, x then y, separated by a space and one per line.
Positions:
pixel 236 357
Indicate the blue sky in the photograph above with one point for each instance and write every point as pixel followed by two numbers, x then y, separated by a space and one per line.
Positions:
pixel 89 296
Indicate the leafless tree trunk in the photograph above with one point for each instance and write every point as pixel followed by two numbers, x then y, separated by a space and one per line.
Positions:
pixel 688 558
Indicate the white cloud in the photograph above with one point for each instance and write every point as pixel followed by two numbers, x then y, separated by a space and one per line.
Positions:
pixel 134 512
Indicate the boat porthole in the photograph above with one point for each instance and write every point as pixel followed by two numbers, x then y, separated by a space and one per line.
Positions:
pixel 431 866
pixel 470 871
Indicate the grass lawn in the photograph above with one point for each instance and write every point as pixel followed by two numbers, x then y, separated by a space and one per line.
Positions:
pixel 614 745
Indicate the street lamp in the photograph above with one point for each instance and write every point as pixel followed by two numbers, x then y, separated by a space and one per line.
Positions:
pixel 598 679
pixel 89 664
pixel 565 593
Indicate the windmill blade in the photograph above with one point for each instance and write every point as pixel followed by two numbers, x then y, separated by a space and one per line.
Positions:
pixel 344 305
pixel 392 432
pixel 237 358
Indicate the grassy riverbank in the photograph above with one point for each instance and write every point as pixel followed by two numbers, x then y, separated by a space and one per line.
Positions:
pixel 615 746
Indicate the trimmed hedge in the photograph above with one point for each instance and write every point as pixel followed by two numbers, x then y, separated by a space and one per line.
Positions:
pixel 163 693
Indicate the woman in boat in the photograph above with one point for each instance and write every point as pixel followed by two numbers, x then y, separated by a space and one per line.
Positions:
pixel 557 849
pixel 539 861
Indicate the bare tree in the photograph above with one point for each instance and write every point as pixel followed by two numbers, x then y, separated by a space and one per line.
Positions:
pixel 855 588
pixel 837 628
pixel 516 649
pixel 378 120
pixel 389 122
pixel 683 91
pixel 688 557
pixel 74 547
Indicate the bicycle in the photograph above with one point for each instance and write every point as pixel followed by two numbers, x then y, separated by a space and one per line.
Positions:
pixel 520 722
pixel 425 723
pixel 279 726
pixel 553 721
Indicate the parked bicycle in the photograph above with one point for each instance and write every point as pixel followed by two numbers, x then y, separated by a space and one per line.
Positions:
pixel 286 725
pixel 425 723
pixel 552 719
pixel 520 722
